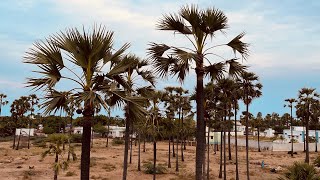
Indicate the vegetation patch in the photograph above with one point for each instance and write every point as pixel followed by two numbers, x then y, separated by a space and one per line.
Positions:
pixel 70 173
pixel 160 168
pixel 109 167
pixel 117 141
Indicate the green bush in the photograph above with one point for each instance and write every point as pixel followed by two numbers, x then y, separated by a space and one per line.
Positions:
pixel 148 168
pixel 300 171
pixel 76 138
pixel 40 142
pixel 317 161
pixel 117 141
pixel 48 130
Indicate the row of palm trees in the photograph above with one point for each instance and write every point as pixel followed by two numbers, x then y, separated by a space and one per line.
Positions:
pixel 99 74
pixel 307 106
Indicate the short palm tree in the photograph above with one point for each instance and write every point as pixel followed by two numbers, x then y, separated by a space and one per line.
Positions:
pixel 3 102
pixel 56 140
pixel 198 26
pixel 290 105
pixel 299 171
pixel 78 57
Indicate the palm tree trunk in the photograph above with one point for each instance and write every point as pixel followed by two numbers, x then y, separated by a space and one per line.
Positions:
pixel 247 133
pixel 173 150
pixel 182 157
pixel 307 140
pixel 236 140
pixel 144 143
pixel 221 141
pixel 18 140
pixel 139 154
pixel 56 170
pixel 315 134
pixel 130 159
pixel 229 135
pixel 291 133
pixel 200 136
pixel 208 154
pixel 304 141
pixel 126 148
pixel 108 128
pixel 14 138
pixel 85 149
pixel 177 155
pixel 259 139
pixel 69 141
pixel 29 133
pixel 154 158
pixel 224 148
pixel 169 156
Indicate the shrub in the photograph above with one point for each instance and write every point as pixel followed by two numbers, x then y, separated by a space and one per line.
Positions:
pixel 317 161
pixel 76 138
pixel 117 141
pixel 48 130
pixel 70 173
pixel 300 171
pixel 160 169
pixel 109 167
pixel 40 142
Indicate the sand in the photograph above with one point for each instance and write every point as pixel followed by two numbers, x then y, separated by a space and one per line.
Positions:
pixel 107 163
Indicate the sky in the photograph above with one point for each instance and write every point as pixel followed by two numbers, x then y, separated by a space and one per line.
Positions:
pixel 283 36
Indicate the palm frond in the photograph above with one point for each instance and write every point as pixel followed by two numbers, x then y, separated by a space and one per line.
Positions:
pixel 238 46
pixel 215 71
pixel 173 22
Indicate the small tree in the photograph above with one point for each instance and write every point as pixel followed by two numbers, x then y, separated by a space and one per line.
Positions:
pixel 55 149
pixel 300 171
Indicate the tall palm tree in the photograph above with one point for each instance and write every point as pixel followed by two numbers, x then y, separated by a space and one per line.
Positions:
pixel 251 90
pixel 134 71
pixel 306 98
pixel 3 102
pixel 290 105
pixel 258 124
pixel 198 26
pixel 87 53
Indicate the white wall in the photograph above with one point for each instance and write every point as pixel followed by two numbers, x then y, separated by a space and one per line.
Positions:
pixel 24 131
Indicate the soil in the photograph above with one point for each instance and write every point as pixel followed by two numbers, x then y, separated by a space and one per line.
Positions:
pixel 106 163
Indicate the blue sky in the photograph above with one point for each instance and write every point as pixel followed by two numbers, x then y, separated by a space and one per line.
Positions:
pixel 284 38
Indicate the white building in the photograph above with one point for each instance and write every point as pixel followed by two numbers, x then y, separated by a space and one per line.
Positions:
pixel 240 129
pixel 24 132
pixel 214 137
pixel 78 130
pixel 299 133
pixel 266 133
pixel 116 131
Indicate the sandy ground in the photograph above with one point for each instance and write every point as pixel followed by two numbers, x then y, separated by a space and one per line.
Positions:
pixel 107 163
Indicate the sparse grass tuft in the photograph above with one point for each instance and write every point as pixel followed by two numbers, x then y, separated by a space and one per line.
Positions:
pixel 109 167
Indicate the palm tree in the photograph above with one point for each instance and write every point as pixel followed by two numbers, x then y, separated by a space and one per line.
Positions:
pixel 198 26
pixel 291 101
pixel 133 72
pixel 306 98
pixel 88 52
pixel 34 100
pixel 258 125
pixel 3 102
pixel 251 90
pixel 56 141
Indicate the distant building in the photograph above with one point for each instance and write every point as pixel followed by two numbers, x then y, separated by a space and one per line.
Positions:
pixel 24 132
pixel 116 131
pixel 299 133
pixel 266 133
pixel 78 130
pixel 240 129
pixel 214 137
